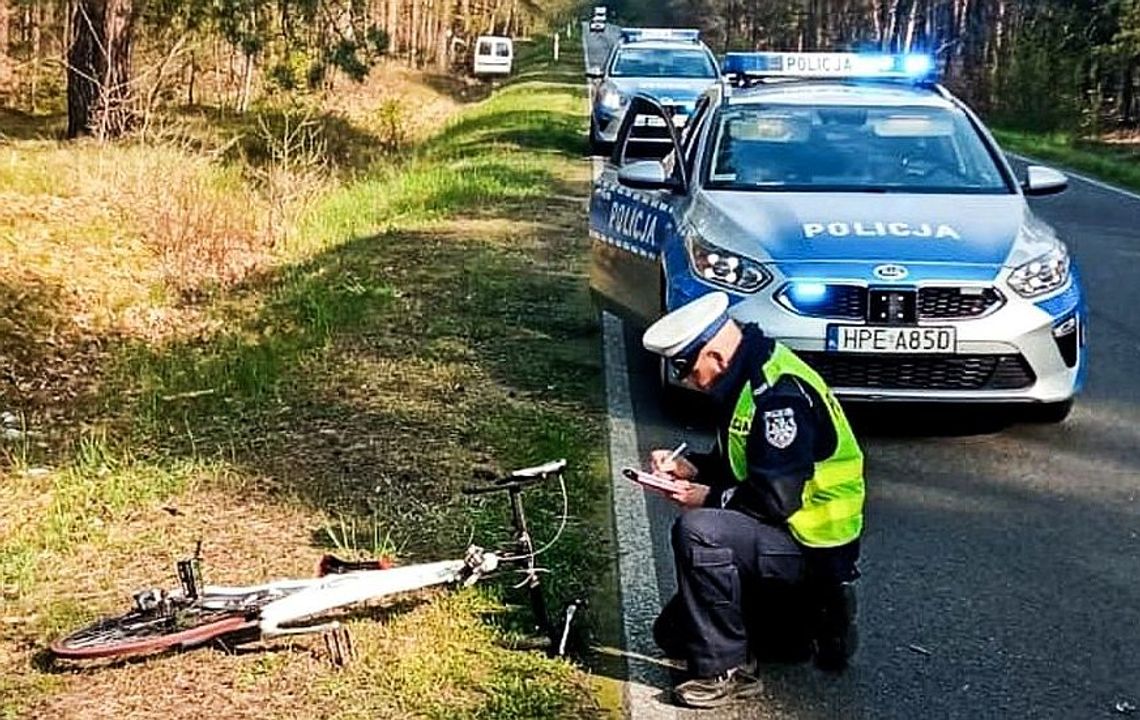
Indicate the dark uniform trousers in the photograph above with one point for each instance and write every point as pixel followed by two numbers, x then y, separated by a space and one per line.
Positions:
pixel 729 566
pixel 744 585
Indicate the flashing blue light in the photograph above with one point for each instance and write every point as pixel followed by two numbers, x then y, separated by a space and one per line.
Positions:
pixel 807 293
pixel 918 65
pixel 638 34
pixel 914 67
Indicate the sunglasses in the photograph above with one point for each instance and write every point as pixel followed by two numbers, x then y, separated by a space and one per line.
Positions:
pixel 682 365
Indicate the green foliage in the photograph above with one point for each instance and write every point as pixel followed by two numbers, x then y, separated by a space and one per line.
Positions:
pixel 378 40
pixel 345 55
pixel 1041 64
pixel 1115 163
pixel 290 72
pixel 390 126
pixel 1040 86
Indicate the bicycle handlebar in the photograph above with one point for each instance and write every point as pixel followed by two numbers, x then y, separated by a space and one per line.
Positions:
pixel 519 478
pixel 541 471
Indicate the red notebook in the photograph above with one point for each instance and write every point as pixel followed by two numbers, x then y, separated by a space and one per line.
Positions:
pixel 653 482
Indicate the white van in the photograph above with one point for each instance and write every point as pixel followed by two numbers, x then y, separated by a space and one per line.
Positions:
pixel 494 55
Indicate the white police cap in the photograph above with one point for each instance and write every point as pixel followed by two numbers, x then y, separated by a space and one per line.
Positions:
pixel 686 329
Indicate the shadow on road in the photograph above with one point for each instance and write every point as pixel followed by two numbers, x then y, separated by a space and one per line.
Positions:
pixel 916 420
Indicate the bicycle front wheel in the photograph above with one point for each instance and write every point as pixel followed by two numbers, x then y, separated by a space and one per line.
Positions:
pixel 140 633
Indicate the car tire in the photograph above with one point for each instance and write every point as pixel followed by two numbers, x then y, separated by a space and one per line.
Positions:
pixel 1052 413
pixel 598 147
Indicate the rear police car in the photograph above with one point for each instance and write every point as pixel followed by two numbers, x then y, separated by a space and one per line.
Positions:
pixel 861 214
pixel 669 64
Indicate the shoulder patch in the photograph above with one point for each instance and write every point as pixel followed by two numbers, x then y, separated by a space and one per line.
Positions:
pixel 780 427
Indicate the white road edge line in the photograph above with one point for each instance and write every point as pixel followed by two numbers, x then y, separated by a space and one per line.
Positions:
pixel 1083 178
pixel 639 592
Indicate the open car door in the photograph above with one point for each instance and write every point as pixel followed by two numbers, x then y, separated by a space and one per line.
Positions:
pixel 631 212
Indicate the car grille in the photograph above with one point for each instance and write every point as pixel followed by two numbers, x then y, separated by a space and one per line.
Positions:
pixel 922 372
pixel 951 303
pixel 841 301
pixel 850 302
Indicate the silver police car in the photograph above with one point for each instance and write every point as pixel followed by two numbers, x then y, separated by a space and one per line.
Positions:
pixel 671 65
pixel 861 214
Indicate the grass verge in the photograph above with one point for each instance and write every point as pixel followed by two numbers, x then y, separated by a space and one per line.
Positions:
pixel 425 318
pixel 1117 163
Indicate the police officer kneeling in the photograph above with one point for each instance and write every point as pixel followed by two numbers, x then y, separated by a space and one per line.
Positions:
pixel 777 508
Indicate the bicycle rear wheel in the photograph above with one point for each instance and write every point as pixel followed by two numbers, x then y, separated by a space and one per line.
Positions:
pixel 143 633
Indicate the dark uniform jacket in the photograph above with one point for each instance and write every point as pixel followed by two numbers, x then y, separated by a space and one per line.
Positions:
pixel 777 467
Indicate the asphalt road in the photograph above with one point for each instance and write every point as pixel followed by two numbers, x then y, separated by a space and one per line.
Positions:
pixel 1001 562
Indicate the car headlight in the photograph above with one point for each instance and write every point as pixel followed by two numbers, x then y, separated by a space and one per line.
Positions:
pixel 1041 275
pixel 725 268
pixel 610 98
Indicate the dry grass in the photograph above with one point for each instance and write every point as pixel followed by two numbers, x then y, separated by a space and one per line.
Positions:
pixel 364 104
pixel 422 319
pixel 126 241
pixel 119 226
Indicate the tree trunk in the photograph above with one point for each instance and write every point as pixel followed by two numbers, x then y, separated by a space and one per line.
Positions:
pixel 6 76
pixel 99 97
pixel 414 43
pixel 37 33
pixel 392 26
pixel 246 84
pixel 192 78
pixel 911 26
pixel 877 10
pixel 443 47
pixel 1127 93
pixel 892 39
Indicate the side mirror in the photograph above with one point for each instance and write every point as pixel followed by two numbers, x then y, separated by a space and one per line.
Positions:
pixel 594 72
pixel 1040 180
pixel 647 175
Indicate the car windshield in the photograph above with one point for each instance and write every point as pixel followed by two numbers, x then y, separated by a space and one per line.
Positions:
pixel 663 62
pixel 844 148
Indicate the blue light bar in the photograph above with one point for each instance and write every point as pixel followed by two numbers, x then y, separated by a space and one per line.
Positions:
pixel 912 66
pixel 638 34
pixel 807 293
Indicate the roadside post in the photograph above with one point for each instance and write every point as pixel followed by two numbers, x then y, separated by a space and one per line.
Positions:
pixel 556 46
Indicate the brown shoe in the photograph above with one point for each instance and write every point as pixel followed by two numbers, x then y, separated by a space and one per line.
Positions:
pixel 739 683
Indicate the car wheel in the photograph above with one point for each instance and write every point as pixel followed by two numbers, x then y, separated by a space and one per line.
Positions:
pixel 1050 413
pixel 598 147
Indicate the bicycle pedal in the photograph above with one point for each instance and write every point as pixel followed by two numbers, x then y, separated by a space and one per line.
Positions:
pixel 338 644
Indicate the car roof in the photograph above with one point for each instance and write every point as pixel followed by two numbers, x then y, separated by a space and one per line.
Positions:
pixel 664 45
pixel 832 92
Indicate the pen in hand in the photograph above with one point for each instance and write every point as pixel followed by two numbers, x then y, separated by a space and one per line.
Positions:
pixel 677 453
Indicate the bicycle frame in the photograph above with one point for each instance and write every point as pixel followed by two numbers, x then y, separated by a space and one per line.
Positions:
pixel 295 606
pixel 306 598
pixel 335 591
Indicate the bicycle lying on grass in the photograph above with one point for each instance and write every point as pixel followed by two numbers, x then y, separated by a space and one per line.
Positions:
pixel 193 614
